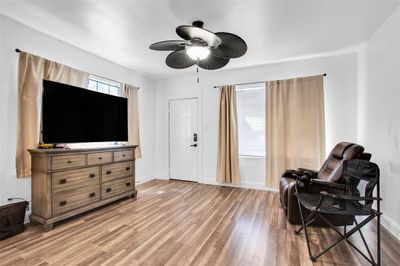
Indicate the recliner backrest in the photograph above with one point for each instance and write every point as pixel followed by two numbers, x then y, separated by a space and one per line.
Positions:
pixel 332 169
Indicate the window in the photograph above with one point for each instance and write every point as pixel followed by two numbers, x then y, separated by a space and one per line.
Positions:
pixel 104 85
pixel 251 119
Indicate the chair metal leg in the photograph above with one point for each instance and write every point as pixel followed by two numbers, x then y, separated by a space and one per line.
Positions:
pixel 365 243
pixel 333 244
pixel 304 226
pixel 378 238
pixel 346 236
pixel 356 228
pixel 343 237
pixel 360 252
pixel 311 218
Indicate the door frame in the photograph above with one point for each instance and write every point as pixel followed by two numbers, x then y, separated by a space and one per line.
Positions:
pixel 187 96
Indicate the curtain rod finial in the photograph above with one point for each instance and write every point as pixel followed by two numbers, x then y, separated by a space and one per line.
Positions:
pixel 18 50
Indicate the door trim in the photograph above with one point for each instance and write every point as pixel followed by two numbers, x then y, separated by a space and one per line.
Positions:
pixel 200 131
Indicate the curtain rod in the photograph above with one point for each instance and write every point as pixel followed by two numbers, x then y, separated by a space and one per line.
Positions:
pixel 18 51
pixel 248 83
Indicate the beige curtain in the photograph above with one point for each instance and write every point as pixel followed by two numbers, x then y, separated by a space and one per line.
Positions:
pixel 31 72
pixel 295 126
pixel 131 92
pixel 228 149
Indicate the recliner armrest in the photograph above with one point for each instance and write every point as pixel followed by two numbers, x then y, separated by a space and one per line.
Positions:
pixel 293 174
pixel 308 170
pixel 328 184
pixel 317 185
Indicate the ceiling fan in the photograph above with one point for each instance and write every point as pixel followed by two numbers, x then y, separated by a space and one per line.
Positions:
pixel 201 47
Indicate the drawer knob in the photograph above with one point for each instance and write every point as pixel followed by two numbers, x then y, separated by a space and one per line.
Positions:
pixel 123 155
pixel 108 189
pixel 92 175
pixel 91 195
pixel 63 181
pixel 108 172
pixel 100 158
pixel 69 161
pixel 63 203
pixel 128 168
pixel 128 184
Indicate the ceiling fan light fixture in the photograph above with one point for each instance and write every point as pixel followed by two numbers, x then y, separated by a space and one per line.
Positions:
pixel 201 47
pixel 198 52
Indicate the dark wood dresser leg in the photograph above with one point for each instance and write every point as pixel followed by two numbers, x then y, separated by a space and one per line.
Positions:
pixel 48 227
pixel 134 194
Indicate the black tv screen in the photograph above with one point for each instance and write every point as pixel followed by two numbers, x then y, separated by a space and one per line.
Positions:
pixel 72 114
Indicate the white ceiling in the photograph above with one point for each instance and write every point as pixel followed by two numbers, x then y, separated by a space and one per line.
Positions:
pixel 121 31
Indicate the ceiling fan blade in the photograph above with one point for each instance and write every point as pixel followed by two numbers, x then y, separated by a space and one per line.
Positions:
pixel 179 59
pixel 232 46
pixel 213 62
pixel 171 45
pixel 190 32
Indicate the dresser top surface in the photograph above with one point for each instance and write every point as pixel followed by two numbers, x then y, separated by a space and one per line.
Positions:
pixel 75 150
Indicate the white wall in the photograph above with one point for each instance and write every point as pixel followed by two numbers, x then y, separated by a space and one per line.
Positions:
pixel 340 105
pixel 15 35
pixel 379 112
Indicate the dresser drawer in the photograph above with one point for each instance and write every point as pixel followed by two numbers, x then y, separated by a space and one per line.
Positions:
pixel 116 187
pixel 75 179
pixel 67 161
pixel 123 155
pixel 64 202
pixel 112 171
pixel 99 157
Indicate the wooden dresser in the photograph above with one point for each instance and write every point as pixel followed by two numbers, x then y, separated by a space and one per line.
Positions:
pixel 69 182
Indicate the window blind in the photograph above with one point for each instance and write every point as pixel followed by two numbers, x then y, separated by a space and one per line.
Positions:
pixel 251 120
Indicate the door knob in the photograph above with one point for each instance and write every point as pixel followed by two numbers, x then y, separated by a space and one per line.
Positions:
pixel 193 145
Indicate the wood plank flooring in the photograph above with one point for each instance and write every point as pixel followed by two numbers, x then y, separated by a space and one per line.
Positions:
pixel 183 223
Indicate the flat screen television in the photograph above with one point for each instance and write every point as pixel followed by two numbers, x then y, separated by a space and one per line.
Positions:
pixel 72 115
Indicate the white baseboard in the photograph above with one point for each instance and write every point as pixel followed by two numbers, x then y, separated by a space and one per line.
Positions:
pixel 163 177
pixel 253 185
pixel 392 226
pixel 144 179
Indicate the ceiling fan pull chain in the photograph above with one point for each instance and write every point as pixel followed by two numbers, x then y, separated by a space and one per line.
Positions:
pixel 197 71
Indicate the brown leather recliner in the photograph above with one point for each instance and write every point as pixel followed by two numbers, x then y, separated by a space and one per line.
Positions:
pixel 328 179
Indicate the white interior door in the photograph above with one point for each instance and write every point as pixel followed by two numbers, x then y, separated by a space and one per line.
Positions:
pixel 183 139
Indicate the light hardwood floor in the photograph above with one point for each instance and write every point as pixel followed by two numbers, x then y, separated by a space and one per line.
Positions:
pixel 182 223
